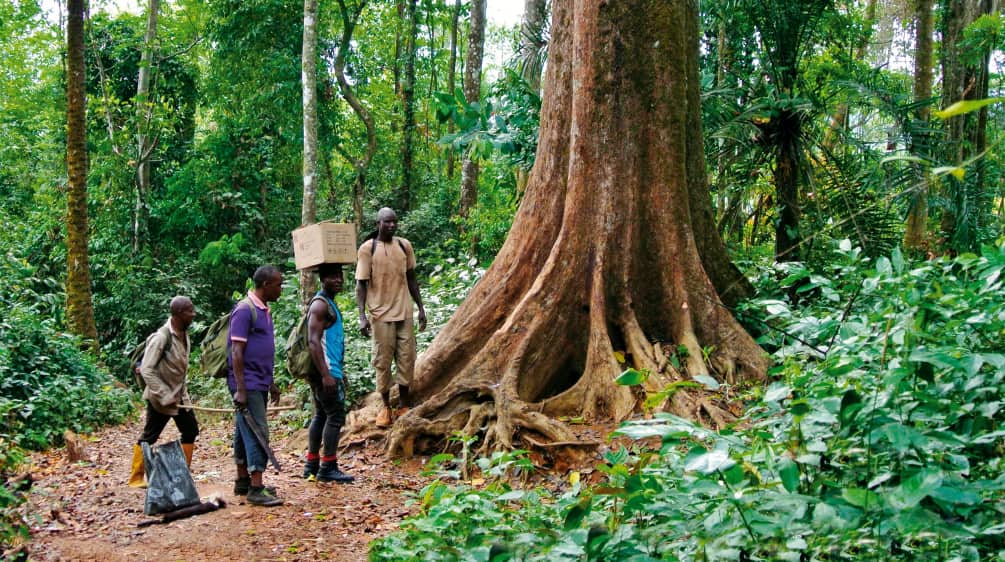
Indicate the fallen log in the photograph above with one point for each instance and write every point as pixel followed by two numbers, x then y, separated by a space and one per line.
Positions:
pixel 205 507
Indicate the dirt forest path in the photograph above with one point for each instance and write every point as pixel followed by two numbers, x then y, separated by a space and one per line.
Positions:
pixel 85 511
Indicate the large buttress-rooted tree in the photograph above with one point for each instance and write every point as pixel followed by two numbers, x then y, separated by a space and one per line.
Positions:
pixel 602 256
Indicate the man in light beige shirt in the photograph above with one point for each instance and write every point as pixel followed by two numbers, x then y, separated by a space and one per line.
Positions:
pixel 386 286
pixel 163 368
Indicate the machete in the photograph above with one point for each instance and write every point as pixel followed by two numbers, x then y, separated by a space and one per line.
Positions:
pixel 259 436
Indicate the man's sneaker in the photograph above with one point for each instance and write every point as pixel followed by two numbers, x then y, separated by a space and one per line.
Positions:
pixel 330 473
pixel 384 417
pixel 311 468
pixel 264 496
pixel 243 485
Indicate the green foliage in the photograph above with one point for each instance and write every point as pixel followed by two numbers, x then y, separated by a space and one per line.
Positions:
pixel 47 384
pixel 880 438
pixel 14 528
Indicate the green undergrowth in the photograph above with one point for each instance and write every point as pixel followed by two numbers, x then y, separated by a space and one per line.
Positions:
pixel 878 438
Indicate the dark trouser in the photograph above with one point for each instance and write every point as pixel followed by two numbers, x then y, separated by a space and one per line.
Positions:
pixel 329 417
pixel 247 451
pixel 156 421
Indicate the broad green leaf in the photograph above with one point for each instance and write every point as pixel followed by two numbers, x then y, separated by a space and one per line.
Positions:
pixel 631 377
pixel 860 497
pixel 788 471
pixel 777 391
pixel 965 106
pixel 708 381
pixel 915 488
pixel 710 462
pixel 577 512
pixel 957 172
pixel 953 495
pixel 824 514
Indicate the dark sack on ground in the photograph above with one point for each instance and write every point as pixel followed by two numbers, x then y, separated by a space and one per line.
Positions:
pixel 170 485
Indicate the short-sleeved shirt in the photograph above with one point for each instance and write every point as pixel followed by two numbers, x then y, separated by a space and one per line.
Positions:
pixel 333 339
pixel 260 350
pixel 387 297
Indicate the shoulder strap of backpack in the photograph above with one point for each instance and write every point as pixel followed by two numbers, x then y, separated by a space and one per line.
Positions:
pixel 332 309
pixel 251 308
pixel 168 338
pixel 373 249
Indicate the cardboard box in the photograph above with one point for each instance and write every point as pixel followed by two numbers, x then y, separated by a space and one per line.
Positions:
pixel 324 242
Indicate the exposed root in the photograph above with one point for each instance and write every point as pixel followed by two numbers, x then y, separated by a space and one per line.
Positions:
pixel 720 418
pixel 541 445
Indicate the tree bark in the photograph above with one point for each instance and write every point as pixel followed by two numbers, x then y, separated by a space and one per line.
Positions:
pixel 532 41
pixel 601 257
pixel 408 106
pixel 144 111
pixel 472 94
pixel 309 89
pixel 80 308
pixel 967 134
pixel 916 231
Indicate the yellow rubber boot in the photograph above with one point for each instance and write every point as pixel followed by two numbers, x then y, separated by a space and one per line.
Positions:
pixel 136 476
pixel 187 448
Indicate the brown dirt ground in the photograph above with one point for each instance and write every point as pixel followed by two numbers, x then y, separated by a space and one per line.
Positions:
pixel 85 511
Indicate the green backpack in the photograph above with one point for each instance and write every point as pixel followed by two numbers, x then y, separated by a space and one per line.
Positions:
pixel 136 356
pixel 298 351
pixel 216 343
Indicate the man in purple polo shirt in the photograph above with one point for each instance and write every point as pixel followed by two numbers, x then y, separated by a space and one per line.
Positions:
pixel 251 361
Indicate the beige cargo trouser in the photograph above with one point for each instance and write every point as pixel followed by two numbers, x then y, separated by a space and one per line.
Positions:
pixel 393 340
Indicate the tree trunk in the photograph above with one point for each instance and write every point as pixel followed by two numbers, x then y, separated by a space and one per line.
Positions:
pixel 360 165
pixel 309 88
pixel 80 309
pixel 472 93
pixel 967 134
pixel 408 106
pixel 144 110
pixel 601 257
pixel 915 233
pixel 452 79
pixel 786 179
pixel 532 34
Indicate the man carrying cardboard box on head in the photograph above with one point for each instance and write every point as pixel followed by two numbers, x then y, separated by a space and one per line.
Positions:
pixel 386 286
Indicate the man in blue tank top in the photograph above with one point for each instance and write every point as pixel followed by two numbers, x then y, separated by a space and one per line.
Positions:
pixel 326 340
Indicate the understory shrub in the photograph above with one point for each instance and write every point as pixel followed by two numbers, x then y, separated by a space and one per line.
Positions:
pixel 48 385
pixel 879 439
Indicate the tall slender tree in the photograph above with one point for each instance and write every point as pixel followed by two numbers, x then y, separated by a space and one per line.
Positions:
pixel 455 16
pixel 408 107
pixel 916 231
pixel 309 87
pixel 80 308
pixel 145 144
pixel 964 77
pixel 472 94
pixel 601 260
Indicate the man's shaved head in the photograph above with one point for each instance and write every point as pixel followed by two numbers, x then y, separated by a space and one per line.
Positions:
pixel 180 304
